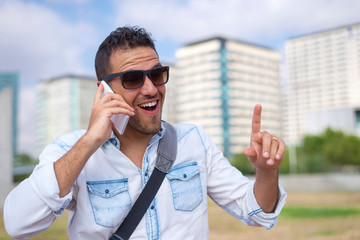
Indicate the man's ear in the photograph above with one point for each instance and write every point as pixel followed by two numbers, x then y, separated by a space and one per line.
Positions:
pixel 98 83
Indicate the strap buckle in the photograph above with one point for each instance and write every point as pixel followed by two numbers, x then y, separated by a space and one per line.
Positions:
pixel 114 236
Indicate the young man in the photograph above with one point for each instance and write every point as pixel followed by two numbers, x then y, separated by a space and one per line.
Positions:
pixel 98 174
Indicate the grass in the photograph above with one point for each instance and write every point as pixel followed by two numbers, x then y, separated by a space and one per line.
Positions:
pixel 310 216
pixel 57 230
pixel 306 216
pixel 318 212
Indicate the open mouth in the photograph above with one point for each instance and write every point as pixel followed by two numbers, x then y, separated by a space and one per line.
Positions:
pixel 149 106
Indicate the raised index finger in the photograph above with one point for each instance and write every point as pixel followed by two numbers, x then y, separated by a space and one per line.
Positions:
pixel 256 119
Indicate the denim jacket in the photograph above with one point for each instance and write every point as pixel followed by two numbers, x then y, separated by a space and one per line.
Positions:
pixel 110 183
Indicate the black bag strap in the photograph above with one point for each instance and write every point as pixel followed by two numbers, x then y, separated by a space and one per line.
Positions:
pixel 166 156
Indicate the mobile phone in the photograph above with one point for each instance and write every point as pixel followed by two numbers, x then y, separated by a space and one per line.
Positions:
pixel 119 120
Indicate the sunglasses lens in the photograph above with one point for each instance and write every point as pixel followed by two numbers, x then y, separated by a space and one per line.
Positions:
pixel 132 79
pixel 159 76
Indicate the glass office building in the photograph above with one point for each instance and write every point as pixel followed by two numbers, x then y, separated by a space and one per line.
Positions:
pixel 218 82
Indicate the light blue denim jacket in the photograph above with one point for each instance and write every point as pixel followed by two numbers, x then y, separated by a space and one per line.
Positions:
pixel 110 183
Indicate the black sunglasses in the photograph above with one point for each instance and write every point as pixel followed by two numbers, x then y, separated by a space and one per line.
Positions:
pixel 134 79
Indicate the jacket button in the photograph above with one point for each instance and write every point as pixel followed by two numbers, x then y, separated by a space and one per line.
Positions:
pixel 107 191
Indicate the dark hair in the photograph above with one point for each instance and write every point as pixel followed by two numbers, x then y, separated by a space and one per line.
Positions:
pixel 122 38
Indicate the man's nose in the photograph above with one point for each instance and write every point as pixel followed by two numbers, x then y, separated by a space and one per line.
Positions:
pixel 148 88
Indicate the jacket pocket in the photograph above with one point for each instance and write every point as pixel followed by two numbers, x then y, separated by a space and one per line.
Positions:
pixel 110 201
pixel 185 186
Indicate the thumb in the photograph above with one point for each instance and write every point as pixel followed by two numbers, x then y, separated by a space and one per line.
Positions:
pixel 251 154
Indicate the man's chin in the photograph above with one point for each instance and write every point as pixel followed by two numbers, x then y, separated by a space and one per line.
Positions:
pixel 147 129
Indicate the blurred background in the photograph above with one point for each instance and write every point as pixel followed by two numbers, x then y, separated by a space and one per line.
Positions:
pixel 299 59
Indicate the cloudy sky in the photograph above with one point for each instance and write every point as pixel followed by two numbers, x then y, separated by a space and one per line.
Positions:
pixel 48 38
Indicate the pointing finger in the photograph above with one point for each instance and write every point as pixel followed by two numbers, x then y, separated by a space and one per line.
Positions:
pixel 256 119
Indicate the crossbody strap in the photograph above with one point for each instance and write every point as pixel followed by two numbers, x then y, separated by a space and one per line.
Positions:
pixel 166 154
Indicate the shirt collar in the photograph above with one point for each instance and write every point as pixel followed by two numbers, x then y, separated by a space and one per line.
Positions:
pixel 115 141
pixel 159 135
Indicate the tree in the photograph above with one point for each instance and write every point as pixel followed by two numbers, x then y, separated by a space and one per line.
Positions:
pixel 318 153
pixel 329 149
pixel 353 146
pixel 24 159
pixel 310 155
pixel 242 163
pixel 341 149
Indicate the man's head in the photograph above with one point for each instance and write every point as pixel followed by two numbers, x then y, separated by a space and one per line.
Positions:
pixel 123 38
pixel 123 51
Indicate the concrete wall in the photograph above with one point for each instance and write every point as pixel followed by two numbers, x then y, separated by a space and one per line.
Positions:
pixel 337 119
pixel 6 154
pixel 321 182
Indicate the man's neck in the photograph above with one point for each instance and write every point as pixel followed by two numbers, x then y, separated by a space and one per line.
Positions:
pixel 133 144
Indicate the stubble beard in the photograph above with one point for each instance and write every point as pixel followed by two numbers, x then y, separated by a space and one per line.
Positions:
pixel 146 128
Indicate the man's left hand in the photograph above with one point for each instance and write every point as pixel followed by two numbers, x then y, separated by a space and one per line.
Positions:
pixel 266 151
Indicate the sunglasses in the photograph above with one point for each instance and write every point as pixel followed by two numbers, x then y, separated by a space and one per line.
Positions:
pixel 134 79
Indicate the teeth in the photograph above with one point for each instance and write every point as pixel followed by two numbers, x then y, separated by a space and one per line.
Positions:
pixel 150 104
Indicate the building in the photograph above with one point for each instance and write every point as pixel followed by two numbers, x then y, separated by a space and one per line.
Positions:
pixel 169 111
pixel 8 129
pixel 63 104
pixel 218 83
pixel 323 83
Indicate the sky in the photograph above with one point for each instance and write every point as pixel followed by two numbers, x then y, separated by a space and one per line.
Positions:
pixel 40 39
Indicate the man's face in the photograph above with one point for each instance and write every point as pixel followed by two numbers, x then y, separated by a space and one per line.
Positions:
pixel 146 100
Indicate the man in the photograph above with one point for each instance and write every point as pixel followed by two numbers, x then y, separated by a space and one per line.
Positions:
pixel 98 174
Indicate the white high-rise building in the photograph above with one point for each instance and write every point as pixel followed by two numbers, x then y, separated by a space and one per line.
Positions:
pixel 218 83
pixel 63 104
pixel 323 83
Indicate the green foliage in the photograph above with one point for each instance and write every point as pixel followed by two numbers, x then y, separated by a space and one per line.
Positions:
pixel 312 163
pixel 342 149
pixel 241 162
pixel 334 147
pixel 312 212
pixel 285 165
pixel 318 153
pixel 313 144
pixel 353 147
pixel 330 149
pixel 20 178
pixel 24 159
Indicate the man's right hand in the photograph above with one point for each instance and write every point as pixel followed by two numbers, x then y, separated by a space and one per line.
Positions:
pixel 100 125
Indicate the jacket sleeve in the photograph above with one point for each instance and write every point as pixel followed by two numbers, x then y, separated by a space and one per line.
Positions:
pixel 34 204
pixel 233 191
